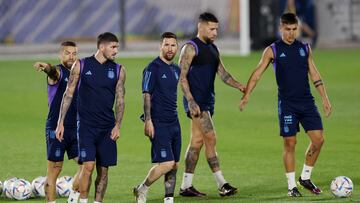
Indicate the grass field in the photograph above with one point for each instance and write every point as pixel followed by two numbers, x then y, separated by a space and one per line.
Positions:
pixel 249 147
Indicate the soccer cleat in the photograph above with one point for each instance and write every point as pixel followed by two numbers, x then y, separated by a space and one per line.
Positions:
pixel 191 192
pixel 140 197
pixel 227 190
pixel 307 184
pixel 294 192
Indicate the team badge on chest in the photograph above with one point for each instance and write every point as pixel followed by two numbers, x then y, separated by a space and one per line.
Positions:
pixel 302 52
pixel 111 74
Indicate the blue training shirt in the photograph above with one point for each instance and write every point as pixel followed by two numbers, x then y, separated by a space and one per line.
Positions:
pixel 291 69
pixel 55 95
pixel 202 72
pixel 160 81
pixel 97 87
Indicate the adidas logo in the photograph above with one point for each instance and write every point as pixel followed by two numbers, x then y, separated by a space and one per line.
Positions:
pixel 88 73
pixel 163 76
pixel 282 55
pixel 66 79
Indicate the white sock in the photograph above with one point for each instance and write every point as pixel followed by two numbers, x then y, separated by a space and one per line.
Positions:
pixel 83 200
pixel 52 202
pixel 220 180
pixel 169 200
pixel 143 188
pixel 73 197
pixel 306 172
pixel 187 180
pixel 291 180
pixel 96 202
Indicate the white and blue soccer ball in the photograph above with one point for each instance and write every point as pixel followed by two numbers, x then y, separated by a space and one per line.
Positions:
pixel 21 189
pixel 37 186
pixel 341 186
pixel 7 187
pixel 64 186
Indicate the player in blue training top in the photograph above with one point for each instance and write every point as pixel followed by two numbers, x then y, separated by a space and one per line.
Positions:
pixel 100 82
pixel 57 78
pixel 293 62
pixel 159 86
pixel 200 62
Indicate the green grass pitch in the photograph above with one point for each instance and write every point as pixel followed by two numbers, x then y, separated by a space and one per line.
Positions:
pixel 249 146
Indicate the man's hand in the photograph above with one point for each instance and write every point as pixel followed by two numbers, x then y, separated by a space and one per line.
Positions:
pixel 60 131
pixel 327 107
pixel 244 100
pixel 115 133
pixel 149 129
pixel 242 87
pixel 41 66
pixel 194 109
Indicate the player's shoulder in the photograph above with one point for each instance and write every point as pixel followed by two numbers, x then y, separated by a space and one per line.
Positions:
pixel 153 65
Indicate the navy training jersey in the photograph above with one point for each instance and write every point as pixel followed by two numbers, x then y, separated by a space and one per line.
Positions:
pixel 202 72
pixel 160 81
pixel 55 95
pixel 291 68
pixel 97 87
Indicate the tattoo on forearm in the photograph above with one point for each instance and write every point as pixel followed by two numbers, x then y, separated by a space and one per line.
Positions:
pixel 192 156
pixel 101 184
pixel 206 123
pixel 51 72
pixel 170 182
pixel 213 162
pixel 185 62
pixel 147 106
pixel 68 95
pixel 225 77
pixel 120 95
pixel 318 83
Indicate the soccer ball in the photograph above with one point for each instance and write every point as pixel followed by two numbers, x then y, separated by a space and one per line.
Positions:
pixel 64 186
pixel 341 186
pixel 21 189
pixel 37 186
pixel 8 188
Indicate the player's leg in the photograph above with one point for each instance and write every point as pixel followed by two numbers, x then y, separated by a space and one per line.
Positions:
pixel 206 126
pixel 85 180
pixel 101 183
pixel 75 192
pixel 191 159
pixel 53 171
pixel 311 155
pixel 311 121
pixel 169 183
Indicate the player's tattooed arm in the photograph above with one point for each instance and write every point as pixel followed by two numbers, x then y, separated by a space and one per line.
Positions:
pixel 192 156
pixel 120 97
pixel 69 92
pixel 147 106
pixel 228 79
pixel 52 71
pixel 186 56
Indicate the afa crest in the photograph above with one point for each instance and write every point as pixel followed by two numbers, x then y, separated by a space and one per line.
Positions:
pixel 301 52
pixel 111 74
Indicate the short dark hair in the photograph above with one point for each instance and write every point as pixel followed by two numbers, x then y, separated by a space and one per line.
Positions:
pixel 208 17
pixel 106 37
pixel 289 18
pixel 68 44
pixel 167 35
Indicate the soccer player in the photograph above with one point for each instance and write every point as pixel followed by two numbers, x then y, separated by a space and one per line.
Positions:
pixel 100 83
pixel 199 63
pixel 293 62
pixel 159 87
pixel 57 78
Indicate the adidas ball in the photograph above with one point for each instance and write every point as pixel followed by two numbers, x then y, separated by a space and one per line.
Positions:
pixel 64 186
pixel 341 186
pixel 21 189
pixel 37 186
pixel 7 187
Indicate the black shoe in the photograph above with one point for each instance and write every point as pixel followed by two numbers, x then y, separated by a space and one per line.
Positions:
pixel 307 184
pixel 191 192
pixel 227 190
pixel 294 192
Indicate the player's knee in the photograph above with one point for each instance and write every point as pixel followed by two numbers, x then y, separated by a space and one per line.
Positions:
pixel 168 166
pixel 197 143
pixel 319 142
pixel 210 139
pixel 290 145
pixel 88 169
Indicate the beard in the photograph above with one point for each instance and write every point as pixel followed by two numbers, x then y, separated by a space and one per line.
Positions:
pixel 69 64
pixel 169 56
